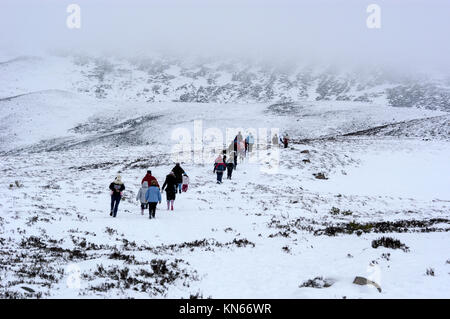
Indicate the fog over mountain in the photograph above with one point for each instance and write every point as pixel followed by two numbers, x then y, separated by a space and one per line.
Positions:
pixel 242 51
pixel 412 35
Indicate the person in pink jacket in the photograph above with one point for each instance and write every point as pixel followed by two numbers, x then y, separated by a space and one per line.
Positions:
pixel 185 183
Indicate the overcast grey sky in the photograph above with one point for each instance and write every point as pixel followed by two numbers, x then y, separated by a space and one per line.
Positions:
pixel 414 33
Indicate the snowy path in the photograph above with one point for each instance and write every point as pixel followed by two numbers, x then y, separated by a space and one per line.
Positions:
pixel 249 237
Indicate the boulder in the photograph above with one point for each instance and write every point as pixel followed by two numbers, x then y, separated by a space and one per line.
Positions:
pixel 27 289
pixel 318 282
pixel 364 281
pixel 320 176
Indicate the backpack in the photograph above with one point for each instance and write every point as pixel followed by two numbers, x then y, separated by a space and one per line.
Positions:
pixel 220 167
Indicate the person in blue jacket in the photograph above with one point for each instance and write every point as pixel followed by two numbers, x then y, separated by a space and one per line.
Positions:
pixel 153 197
pixel 249 141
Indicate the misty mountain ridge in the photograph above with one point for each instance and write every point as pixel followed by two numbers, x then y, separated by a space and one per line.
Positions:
pixel 162 79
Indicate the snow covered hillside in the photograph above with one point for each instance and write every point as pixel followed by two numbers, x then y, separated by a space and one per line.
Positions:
pixel 163 79
pixel 363 189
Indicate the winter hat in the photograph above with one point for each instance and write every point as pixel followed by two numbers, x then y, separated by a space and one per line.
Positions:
pixel 145 184
pixel 149 172
pixel 118 180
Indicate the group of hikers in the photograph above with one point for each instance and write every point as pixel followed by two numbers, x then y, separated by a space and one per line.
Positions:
pixel 177 180
pixel 284 140
pixel 239 148
pixel 149 194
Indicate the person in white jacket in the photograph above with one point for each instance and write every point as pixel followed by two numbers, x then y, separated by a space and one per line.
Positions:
pixel 141 196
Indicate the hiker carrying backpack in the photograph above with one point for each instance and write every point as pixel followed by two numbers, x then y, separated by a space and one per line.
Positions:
pixel 220 167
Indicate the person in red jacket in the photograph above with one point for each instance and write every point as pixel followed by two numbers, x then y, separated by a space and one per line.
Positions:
pixel 149 178
pixel 286 140
pixel 220 167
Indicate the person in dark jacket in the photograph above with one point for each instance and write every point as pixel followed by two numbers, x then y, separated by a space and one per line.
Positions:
pixel 149 178
pixel 178 171
pixel 170 186
pixel 249 140
pixel 116 187
pixel 235 150
pixel 230 167
pixel 220 168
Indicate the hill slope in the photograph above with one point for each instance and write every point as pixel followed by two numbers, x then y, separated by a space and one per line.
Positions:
pixel 225 81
